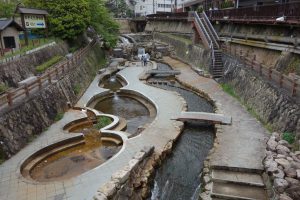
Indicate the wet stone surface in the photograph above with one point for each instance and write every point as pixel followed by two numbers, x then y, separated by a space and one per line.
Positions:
pixel 133 111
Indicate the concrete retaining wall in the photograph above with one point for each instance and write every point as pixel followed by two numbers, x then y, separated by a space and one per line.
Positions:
pixel 169 27
pixel 20 123
pixel 193 54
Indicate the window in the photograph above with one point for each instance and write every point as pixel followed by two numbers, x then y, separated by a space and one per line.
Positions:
pixel 9 42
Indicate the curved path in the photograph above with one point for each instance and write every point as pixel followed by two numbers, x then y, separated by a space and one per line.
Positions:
pixel 158 133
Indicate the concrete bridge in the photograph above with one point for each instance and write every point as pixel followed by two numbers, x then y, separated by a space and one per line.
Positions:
pixel 163 72
pixel 204 116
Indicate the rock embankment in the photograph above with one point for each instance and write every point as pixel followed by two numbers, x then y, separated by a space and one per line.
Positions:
pixel 20 123
pixel 269 102
pixel 283 167
pixel 15 71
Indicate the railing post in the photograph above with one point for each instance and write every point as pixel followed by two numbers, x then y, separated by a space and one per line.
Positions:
pixel 281 80
pixel 294 87
pixel 260 68
pixel 9 98
pixel 57 74
pixel 49 78
pixel 241 54
pixel 26 90
pixel 40 83
pixel 270 74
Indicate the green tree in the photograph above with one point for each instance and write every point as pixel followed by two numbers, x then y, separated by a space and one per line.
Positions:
pixel 7 8
pixel 67 18
pixel 103 22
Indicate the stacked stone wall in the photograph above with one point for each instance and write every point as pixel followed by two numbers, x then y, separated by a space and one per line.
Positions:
pixel 21 68
pixel 270 103
pixel 19 124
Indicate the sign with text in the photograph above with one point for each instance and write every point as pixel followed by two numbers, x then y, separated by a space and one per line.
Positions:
pixel 34 21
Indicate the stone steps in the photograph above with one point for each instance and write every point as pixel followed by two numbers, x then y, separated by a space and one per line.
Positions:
pixel 236 191
pixel 242 178
pixel 237 185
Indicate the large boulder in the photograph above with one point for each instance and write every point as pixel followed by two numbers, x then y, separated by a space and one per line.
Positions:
pixel 280 184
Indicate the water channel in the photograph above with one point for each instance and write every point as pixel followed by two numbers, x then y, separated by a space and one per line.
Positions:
pixel 178 177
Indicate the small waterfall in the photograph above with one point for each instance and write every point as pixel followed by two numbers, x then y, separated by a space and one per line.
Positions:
pixel 165 193
pixel 196 193
pixel 155 191
pixel 112 79
pixel 116 96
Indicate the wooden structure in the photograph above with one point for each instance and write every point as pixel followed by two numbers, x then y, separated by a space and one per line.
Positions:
pixel 290 84
pixel 56 73
pixel 32 19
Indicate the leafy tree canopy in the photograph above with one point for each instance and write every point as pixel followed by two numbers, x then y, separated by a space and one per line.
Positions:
pixel 67 18
pixel 103 22
pixel 7 9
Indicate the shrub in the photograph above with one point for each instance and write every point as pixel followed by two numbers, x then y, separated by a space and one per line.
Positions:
pixel 77 89
pixel 59 116
pixel 41 68
pixel 228 89
pixel 289 137
pixel 3 87
pixel 102 122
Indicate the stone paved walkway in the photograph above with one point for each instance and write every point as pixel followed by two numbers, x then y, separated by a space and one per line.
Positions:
pixel 162 129
pixel 241 145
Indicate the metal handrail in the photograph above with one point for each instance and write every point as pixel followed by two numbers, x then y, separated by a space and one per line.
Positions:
pixel 212 54
pixel 212 35
pixel 201 25
pixel 210 25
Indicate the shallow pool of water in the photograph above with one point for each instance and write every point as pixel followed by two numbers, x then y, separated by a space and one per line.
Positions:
pixel 76 160
pixel 111 82
pixel 135 113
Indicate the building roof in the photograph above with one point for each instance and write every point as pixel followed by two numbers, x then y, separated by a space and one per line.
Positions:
pixel 9 22
pixel 32 11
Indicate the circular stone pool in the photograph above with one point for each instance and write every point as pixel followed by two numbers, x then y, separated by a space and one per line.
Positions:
pixel 136 110
pixel 71 157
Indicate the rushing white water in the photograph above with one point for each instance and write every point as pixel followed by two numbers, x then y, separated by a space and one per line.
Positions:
pixel 155 191
pixel 116 97
pixel 124 40
pixel 196 193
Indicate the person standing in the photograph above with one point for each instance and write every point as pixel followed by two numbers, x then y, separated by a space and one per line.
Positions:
pixel 142 60
pixel 145 60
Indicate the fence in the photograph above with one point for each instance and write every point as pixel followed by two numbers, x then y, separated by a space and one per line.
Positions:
pixel 265 13
pixel 56 73
pixel 283 81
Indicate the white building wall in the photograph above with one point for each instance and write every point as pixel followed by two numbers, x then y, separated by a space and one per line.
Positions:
pixel 146 7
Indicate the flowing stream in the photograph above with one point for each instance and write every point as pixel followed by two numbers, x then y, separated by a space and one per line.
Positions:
pixel 178 177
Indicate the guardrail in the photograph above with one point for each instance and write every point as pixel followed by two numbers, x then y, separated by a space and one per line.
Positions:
pixel 260 14
pixel 292 85
pixel 9 97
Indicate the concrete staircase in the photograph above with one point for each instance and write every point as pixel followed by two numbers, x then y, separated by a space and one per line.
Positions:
pixel 210 40
pixel 240 185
